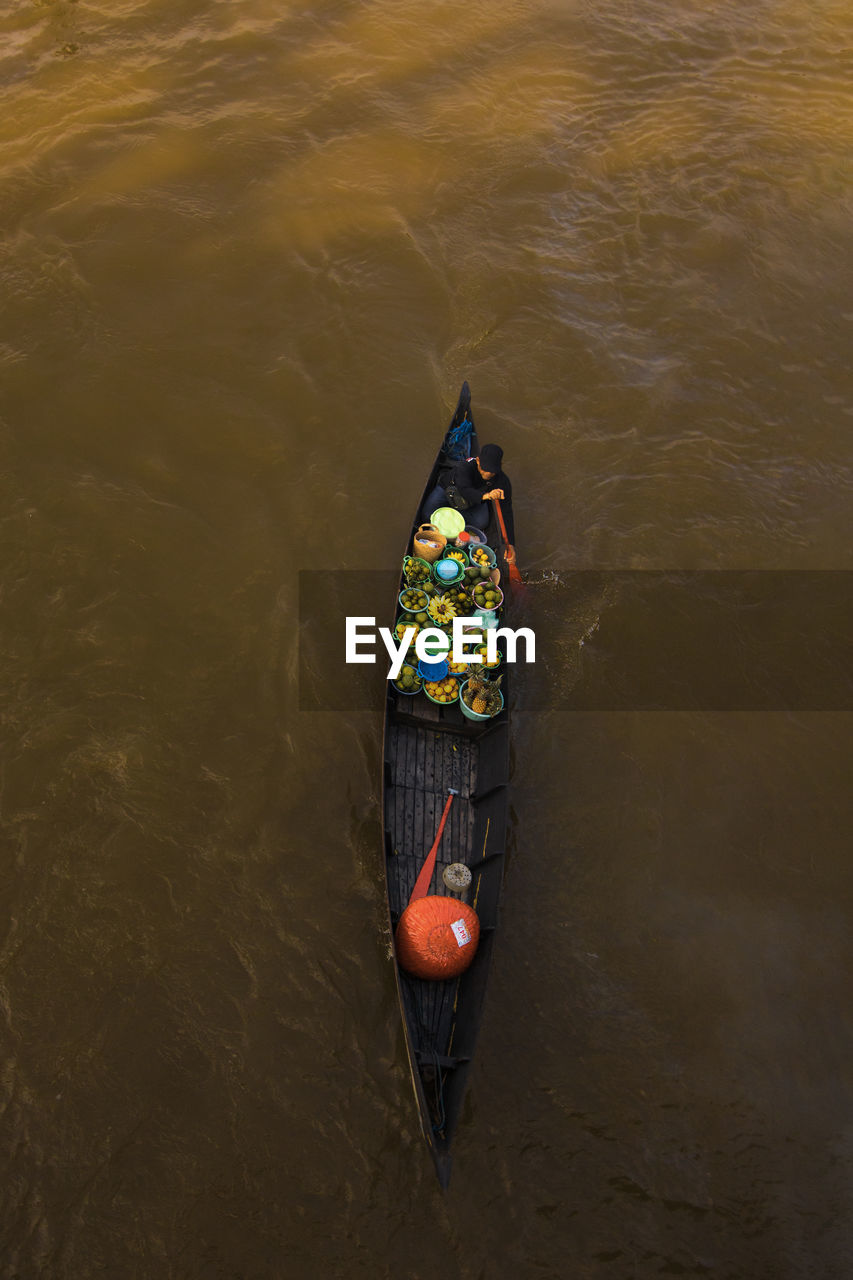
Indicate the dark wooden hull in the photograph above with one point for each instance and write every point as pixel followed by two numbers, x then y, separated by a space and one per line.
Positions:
pixel 427 750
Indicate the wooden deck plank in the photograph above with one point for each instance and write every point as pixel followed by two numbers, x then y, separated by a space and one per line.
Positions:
pixel 423 762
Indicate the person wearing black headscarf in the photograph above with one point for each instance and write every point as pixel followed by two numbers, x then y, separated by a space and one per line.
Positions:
pixel 470 485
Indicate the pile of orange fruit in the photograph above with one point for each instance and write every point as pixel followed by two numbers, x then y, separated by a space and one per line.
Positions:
pixel 446 690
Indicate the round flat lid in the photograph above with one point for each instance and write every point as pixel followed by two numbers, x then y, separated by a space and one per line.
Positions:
pixel 448 521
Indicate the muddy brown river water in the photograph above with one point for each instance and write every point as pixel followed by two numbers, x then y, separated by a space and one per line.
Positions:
pixel 249 252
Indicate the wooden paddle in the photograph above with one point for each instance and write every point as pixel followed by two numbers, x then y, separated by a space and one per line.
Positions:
pixel 425 874
pixel 514 571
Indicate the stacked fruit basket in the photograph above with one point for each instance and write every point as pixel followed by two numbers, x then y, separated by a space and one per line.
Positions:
pixel 463 583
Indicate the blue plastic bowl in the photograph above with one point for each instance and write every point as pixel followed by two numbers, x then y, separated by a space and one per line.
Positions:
pixel 433 670
pixel 448 571
pixel 483 547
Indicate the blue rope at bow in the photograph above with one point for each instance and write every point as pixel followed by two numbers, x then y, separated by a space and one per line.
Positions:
pixel 458 443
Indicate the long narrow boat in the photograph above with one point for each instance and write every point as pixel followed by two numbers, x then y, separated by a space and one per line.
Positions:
pixel 429 751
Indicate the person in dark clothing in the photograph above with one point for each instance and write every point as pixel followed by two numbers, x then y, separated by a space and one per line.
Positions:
pixel 475 482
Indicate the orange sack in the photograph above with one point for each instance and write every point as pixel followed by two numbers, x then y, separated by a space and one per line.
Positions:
pixel 437 937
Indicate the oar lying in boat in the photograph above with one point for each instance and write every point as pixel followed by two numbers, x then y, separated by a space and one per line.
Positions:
pixel 514 571
pixel 424 879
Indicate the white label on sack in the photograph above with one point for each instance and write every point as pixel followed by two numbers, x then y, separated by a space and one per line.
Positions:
pixel 461 932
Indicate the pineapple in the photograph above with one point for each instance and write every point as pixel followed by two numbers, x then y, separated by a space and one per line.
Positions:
pixel 483 694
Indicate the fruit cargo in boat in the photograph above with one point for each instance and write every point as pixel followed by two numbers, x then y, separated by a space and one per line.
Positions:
pixel 431 747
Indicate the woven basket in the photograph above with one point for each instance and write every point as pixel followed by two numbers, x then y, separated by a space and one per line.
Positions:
pixel 428 543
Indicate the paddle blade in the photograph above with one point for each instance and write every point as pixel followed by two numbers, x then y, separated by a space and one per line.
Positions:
pixel 516 581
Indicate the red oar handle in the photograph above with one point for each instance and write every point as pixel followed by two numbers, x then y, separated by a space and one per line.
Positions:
pixel 514 571
pixel 497 503
pixel 425 875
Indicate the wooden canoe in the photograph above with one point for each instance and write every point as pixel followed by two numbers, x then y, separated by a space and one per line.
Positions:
pixel 429 749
